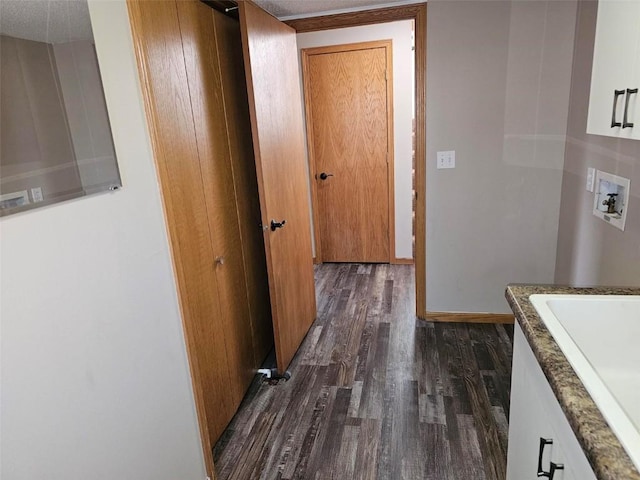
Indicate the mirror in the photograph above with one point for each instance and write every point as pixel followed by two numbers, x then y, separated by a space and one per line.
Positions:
pixel 55 137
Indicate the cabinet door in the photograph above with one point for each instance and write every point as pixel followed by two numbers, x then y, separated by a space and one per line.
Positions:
pixel 615 67
pixel 528 420
pixel 535 413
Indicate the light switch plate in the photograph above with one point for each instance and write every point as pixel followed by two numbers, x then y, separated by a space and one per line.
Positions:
pixel 446 159
pixel 591 179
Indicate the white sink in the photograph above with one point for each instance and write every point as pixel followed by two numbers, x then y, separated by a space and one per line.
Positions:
pixel 600 336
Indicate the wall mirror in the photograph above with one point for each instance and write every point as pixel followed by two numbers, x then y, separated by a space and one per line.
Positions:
pixel 55 137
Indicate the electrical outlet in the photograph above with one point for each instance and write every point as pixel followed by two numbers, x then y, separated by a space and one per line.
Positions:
pixel 36 194
pixel 446 159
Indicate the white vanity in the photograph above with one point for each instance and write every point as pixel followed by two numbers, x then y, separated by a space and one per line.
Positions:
pixel 575 402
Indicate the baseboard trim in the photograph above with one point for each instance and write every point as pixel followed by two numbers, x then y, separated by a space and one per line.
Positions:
pixel 402 261
pixel 453 317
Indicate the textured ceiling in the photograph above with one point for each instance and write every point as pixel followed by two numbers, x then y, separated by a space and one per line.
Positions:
pixel 299 8
pixel 50 21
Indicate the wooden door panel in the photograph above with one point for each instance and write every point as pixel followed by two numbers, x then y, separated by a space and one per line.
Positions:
pixel 270 56
pixel 234 92
pixel 348 115
pixel 161 64
pixel 205 88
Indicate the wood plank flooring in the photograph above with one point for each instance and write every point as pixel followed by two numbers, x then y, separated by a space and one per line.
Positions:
pixel 376 393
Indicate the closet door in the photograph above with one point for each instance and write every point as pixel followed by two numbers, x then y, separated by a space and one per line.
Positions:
pixel 271 66
pixel 207 104
pixel 236 103
pixel 161 63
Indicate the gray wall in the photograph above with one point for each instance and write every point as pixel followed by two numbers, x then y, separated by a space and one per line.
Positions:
pixel 590 252
pixel 498 76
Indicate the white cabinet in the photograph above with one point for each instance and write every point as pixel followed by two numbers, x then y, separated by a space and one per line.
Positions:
pixel 615 77
pixel 534 414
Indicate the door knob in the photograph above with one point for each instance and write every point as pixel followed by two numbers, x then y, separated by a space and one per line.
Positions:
pixel 275 225
pixel 324 176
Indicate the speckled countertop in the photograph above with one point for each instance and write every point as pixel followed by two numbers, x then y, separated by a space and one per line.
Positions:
pixel 606 455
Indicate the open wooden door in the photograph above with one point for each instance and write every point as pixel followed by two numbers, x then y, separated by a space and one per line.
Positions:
pixel 270 56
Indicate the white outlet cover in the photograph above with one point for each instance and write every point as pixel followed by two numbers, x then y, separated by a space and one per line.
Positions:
pixel 446 159
pixel 36 194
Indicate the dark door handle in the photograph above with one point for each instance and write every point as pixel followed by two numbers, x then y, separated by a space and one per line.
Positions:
pixel 324 176
pixel 625 122
pixel 275 225
pixel 616 94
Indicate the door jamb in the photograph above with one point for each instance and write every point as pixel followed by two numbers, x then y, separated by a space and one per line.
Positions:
pixel 305 54
pixel 418 13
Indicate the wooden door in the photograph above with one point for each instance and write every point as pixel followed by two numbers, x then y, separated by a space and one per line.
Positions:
pixel 270 56
pixel 207 104
pixel 161 62
pixel 234 91
pixel 348 103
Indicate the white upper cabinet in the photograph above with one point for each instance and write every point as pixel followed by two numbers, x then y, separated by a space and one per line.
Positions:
pixel 614 103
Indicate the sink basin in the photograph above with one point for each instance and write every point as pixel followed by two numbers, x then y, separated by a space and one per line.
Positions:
pixel 600 336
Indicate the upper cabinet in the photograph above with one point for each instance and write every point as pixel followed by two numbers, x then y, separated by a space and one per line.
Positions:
pixel 614 106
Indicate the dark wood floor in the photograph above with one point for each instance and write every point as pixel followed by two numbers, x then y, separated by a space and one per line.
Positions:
pixel 376 393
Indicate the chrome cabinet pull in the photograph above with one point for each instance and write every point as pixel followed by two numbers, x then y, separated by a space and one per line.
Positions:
pixel 625 122
pixel 616 94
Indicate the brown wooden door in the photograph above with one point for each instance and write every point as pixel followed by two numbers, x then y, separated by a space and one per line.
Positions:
pixel 271 66
pixel 199 40
pixel 234 92
pixel 348 109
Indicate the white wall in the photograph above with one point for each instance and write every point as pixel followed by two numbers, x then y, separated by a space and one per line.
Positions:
pixel 95 380
pixel 403 74
pixel 498 81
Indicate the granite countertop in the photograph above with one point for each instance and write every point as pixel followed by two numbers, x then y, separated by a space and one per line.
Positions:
pixel 606 455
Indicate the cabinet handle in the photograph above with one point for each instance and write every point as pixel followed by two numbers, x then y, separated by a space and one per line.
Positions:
pixel 616 94
pixel 543 443
pixel 553 467
pixel 625 122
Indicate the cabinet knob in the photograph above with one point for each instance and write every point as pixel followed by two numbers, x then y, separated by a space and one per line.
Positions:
pixel 219 260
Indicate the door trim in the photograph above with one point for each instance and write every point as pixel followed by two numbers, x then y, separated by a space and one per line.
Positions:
pixel 306 53
pixel 418 13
